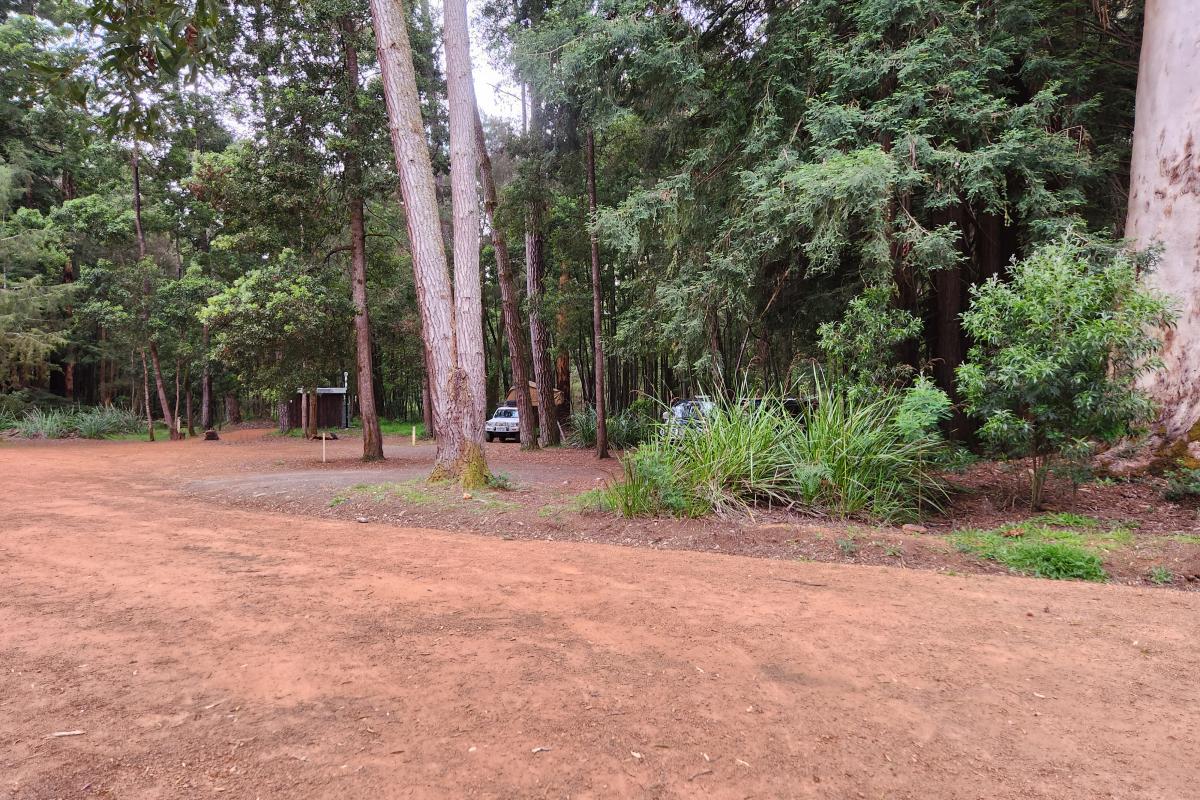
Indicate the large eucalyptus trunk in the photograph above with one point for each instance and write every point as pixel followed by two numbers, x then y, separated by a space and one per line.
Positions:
pixel 431 275
pixel 510 303
pixel 470 380
pixel 597 305
pixel 1164 198
pixel 372 435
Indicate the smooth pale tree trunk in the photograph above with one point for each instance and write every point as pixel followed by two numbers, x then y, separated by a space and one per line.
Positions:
pixel 510 303
pixel 430 271
pixel 597 305
pixel 146 395
pixel 372 436
pixel 160 385
pixel 1164 200
pixel 469 382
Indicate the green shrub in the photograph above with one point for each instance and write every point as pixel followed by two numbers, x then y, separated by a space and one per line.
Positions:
pixel 8 420
pixel 103 421
pixel 850 457
pixel 845 457
pixel 1058 351
pixel 1182 484
pixel 1161 576
pixel 626 429
pixel 40 424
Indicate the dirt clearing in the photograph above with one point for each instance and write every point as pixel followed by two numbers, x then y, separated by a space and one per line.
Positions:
pixel 195 649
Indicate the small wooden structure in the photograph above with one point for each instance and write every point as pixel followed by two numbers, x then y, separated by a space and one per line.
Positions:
pixel 511 398
pixel 333 408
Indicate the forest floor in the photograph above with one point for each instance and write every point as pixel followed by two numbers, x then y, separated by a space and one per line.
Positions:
pixel 198 619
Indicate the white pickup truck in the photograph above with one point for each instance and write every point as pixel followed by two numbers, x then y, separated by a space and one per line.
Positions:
pixel 504 424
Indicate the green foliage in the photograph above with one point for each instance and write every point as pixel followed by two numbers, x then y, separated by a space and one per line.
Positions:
pixel 872 456
pixel 1057 354
pixel 1182 484
pixel 860 348
pixel 60 423
pixel 847 457
pixel 1161 576
pixel 500 481
pixel 1058 546
pixel 627 428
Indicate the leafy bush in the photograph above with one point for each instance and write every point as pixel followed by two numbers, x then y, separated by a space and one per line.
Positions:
pixel 848 456
pixel 1182 484
pixel 626 429
pixel 8 420
pixel 1058 350
pixel 1161 576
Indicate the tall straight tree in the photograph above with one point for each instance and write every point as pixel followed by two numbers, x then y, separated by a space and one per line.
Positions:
pixel 459 447
pixel 464 201
pixel 597 302
pixel 353 172
pixel 535 289
pixel 510 304
pixel 1164 196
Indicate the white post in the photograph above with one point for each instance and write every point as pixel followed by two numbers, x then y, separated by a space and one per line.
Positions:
pixel 414 434
pixel 322 447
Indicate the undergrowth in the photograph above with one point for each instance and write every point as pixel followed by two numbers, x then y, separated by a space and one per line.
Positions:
pixel 1057 546
pixel 846 456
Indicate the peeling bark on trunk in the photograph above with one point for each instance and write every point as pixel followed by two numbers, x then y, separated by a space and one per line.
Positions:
pixel 372 435
pixel 1164 200
pixel 448 384
pixel 470 383
pixel 510 303
pixel 597 306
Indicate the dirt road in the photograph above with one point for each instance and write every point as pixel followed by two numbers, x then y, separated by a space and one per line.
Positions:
pixel 206 651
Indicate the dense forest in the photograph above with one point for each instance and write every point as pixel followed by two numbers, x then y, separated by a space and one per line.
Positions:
pixel 201 208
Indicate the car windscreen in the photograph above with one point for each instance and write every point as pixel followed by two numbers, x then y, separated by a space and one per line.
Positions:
pixel 505 413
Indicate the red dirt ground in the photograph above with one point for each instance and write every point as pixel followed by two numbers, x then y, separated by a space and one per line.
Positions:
pixel 206 650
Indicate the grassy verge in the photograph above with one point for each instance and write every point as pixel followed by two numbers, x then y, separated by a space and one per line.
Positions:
pixel 1056 546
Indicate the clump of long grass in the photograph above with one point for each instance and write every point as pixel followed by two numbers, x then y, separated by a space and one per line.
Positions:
pixel 88 423
pixel 847 455
pixel 627 428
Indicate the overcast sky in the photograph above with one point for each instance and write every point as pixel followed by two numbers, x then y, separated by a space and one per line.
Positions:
pixel 496 94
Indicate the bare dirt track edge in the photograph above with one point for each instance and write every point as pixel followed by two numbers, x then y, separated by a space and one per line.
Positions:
pixel 213 651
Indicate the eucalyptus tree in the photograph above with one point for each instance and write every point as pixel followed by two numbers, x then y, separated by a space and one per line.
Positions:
pixel 458 452
pixel 1164 204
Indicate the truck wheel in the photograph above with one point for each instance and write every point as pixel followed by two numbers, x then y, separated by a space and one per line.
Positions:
pixel 488 436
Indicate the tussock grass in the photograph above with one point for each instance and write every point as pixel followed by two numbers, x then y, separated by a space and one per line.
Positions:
pixel 845 457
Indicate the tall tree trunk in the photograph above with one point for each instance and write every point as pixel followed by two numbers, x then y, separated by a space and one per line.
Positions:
pixel 372 435
pixel 510 303
pixel 562 356
pixel 597 303
pixel 160 385
pixel 543 373
pixel 431 275
pixel 146 395
pixel 233 409
pixel 1164 199
pixel 136 169
pixel 535 290
pixel 284 412
pixel 470 382
pixel 187 387
pixel 205 386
